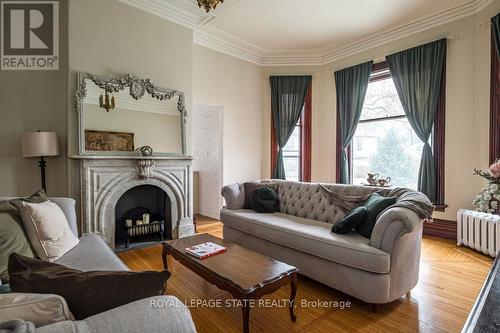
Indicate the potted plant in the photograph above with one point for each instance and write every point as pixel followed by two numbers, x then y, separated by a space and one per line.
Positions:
pixel 488 200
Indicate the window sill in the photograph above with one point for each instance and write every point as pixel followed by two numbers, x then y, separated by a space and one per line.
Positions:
pixel 440 207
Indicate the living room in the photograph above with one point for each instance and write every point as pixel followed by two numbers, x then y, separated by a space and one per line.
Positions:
pixel 334 152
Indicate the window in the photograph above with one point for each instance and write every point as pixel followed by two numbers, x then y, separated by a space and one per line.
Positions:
pixel 384 141
pixel 297 151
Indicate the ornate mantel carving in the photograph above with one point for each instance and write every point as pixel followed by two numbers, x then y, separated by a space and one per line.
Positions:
pixel 145 168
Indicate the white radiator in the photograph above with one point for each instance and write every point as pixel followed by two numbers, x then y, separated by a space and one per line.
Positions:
pixel 480 231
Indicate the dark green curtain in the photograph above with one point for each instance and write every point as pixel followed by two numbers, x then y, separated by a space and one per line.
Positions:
pixel 417 75
pixel 287 99
pixel 495 28
pixel 351 84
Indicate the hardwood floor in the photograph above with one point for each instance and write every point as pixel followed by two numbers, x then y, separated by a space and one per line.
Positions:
pixel 450 280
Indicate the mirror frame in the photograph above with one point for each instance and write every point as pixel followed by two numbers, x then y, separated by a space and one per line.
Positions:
pixel 137 88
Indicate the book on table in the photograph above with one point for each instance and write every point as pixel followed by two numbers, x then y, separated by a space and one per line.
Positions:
pixel 205 250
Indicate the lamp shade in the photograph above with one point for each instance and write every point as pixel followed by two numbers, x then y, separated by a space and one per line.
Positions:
pixel 37 144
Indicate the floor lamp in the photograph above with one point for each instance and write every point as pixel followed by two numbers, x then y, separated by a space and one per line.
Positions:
pixel 40 144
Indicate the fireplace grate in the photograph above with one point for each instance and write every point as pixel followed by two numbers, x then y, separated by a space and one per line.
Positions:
pixel 152 228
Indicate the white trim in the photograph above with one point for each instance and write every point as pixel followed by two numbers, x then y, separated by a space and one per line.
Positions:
pixel 189 15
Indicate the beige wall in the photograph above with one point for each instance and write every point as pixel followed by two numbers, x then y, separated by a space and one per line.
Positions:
pixel 223 80
pixel 110 38
pixel 30 101
pixel 467 105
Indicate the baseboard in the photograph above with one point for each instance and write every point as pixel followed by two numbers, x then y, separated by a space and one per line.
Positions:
pixel 441 228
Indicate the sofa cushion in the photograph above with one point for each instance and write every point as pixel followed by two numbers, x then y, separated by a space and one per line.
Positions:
pixel 310 236
pixel 40 309
pixel 12 239
pixel 47 229
pixel 350 221
pixel 249 188
pixel 87 293
pixel 264 200
pixel 375 205
pixel 92 253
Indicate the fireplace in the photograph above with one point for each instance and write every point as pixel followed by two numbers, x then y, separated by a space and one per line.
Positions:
pixel 142 216
pixel 106 183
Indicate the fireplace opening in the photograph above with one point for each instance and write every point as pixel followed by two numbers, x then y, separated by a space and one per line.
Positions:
pixel 143 216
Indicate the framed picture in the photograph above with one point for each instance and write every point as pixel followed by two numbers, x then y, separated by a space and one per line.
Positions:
pixel 109 141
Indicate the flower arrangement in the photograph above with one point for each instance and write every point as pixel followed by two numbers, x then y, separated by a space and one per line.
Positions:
pixel 488 200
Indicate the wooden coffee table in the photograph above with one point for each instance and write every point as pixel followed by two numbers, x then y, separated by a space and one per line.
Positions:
pixel 246 274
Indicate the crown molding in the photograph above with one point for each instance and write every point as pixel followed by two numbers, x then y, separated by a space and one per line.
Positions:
pixel 189 15
pixel 218 40
pixel 179 11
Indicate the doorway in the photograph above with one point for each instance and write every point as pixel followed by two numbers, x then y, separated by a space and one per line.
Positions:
pixel 207 134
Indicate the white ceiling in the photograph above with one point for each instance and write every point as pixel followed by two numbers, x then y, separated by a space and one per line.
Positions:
pixel 306 32
pixel 274 25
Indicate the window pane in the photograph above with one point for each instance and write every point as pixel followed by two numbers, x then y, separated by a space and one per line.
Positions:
pixel 291 155
pixel 291 168
pixel 381 100
pixel 293 143
pixel 389 148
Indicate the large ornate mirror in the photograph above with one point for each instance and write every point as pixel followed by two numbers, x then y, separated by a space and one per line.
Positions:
pixel 119 116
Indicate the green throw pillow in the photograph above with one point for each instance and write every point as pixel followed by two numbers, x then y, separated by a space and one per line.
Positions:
pixel 12 239
pixel 12 235
pixel 350 221
pixel 375 205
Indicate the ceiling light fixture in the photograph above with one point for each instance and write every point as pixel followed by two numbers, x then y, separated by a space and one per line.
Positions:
pixel 209 4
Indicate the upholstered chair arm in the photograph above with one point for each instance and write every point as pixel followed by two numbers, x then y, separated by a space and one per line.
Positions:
pixel 154 314
pixel 234 195
pixel 391 225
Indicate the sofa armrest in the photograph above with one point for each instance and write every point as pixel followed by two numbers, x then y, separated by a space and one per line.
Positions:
pixel 154 314
pixel 234 195
pixel 391 225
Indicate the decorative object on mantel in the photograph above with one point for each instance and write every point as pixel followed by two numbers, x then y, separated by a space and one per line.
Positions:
pixel 108 141
pixel 40 144
pixel 488 200
pixel 479 231
pixel 144 150
pixel 209 4
pixel 145 168
pixel 105 102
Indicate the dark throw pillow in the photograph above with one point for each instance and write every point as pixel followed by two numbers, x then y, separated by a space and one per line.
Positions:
pixel 350 221
pixel 249 188
pixel 264 200
pixel 375 205
pixel 87 293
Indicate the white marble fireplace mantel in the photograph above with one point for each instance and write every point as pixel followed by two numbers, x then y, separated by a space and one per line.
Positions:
pixel 104 179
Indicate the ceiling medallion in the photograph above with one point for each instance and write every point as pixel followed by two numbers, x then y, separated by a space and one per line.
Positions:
pixel 209 4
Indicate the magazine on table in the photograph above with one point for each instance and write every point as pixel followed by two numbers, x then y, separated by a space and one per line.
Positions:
pixel 205 250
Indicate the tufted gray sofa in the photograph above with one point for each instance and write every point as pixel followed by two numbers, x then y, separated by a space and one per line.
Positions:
pixel 376 270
